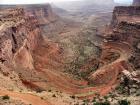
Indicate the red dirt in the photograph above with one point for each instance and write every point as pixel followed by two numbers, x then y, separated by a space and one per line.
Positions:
pixel 27 98
pixel 105 79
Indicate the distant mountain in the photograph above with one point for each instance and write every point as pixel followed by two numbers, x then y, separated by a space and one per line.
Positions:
pixel 100 2
pixel 136 2
pixel 43 12
pixel 77 5
pixel 58 10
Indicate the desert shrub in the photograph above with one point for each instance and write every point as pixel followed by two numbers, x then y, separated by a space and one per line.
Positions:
pixel 53 95
pixel 137 94
pixel 124 102
pixel 96 103
pixel 94 100
pixel 49 90
pixel 85 102
pixel 102 103
pixel 72 97
pixel 39 90
pixel 120 89
pixel 105 97
pixel 6 97
pixel 42 98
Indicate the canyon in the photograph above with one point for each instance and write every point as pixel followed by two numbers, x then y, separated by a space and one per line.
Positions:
pixel 48 59
pixel 136 2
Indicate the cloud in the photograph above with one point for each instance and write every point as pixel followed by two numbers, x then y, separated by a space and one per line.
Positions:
pixel 29 1
pixel 124 1
pixel 46 1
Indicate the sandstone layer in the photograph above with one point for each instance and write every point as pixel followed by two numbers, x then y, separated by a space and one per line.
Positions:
pixel 31 60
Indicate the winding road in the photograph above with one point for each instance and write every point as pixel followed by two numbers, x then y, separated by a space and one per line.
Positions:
pixel 105 79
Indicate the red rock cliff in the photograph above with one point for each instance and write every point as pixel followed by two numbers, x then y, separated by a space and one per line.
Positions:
pixel 125 27
pixel 22 47
pixel 43 13
pixel 19 36
pixel 18 33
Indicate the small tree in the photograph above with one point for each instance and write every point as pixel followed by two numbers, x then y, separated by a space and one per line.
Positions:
pixel 124 102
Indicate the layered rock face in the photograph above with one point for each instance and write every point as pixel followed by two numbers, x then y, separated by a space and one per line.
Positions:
pixel 136 2
pixel 39 63
pixel 43 13
pixel 122 14
pixel 18 33
pixel 125 27
pixel 122 37
pixel 19 36
pixel 23 50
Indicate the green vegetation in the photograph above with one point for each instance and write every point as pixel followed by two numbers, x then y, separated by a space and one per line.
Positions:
pixel 6 97
pixel 72 97
pixel 39 90
pixel 124 102
pixel 85 94
pixel 85 102
pixel 106 97
pixel 104 102
pixel 137 94
pixel 124 87
pixel 120 89
pixel 85 50
pixel 101 103
pixel 79 62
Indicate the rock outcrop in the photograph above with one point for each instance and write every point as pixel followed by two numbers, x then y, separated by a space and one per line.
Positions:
pixel 18 33
pixel 22 46
pixel 13 33
pixel 27 58
pixel 136 2
pixel 43 13
pixel 19 36
pixel 126 28
pixel 123 13
pixel 122 37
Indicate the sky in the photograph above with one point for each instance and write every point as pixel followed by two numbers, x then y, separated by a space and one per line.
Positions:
pixel 45 1
pixel 123 1
pixel 29 1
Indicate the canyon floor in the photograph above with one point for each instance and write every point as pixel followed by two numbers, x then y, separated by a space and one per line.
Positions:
pixel 52 56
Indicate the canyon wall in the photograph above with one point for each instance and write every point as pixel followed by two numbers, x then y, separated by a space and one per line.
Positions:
pixel 18 33
pixel 123 13
pixel 19 36
pixel 23 50
pixel 125 27
pixel 136 2
pixel 43 13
